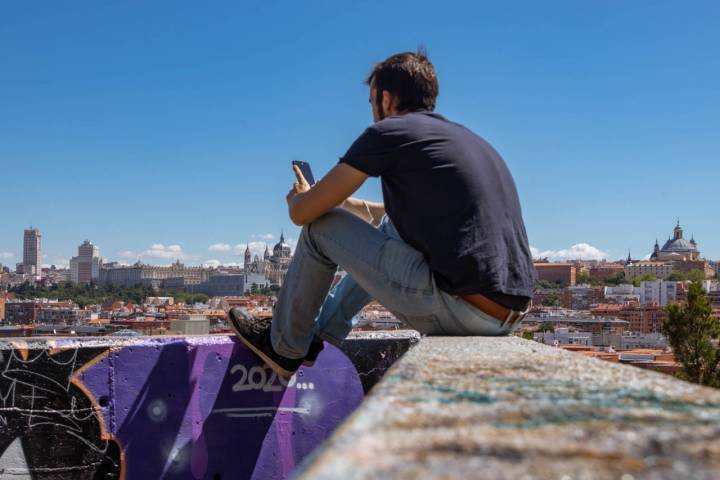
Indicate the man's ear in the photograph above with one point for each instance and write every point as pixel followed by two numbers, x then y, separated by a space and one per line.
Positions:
pixel 387 102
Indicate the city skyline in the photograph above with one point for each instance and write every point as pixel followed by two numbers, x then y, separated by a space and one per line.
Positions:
pixel 179 136
pixel 166 255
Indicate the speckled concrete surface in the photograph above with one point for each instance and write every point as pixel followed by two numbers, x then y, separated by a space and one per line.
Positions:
pixel 506 408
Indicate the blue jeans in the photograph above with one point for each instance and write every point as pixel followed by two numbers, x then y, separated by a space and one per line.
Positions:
pixel 379 265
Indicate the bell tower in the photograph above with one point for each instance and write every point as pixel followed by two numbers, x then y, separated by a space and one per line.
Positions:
pixel 677 231
pixel 248 258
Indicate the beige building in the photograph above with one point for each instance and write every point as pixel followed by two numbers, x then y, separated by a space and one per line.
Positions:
pixel 188 324
pixel 152 275
pixel 85 268
pixel 661 270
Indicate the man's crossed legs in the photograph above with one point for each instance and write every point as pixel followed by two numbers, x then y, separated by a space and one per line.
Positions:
pixel 379 265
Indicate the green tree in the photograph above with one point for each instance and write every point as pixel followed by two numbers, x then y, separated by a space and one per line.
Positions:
pixel 528 335
pixel 582 277
pixel 645 277
pixel 617 279
pixel 547 327
pixel 696 275
pixel 692 333
pixel 677 277
pixel 552 300
pixel 544 284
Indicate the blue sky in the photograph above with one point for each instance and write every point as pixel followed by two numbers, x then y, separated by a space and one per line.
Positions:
pixel 159 129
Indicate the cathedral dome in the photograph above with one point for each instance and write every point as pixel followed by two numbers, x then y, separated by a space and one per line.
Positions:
pixel 678 245
pixel 282 249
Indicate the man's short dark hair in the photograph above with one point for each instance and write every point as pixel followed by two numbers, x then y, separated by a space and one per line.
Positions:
pixel 408 76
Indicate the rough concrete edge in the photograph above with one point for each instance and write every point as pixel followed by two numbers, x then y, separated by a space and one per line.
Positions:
pixel 204 339
pixel 362 419
pixel 372 410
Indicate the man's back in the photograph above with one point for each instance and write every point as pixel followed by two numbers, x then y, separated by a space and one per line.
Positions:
pixel 450 196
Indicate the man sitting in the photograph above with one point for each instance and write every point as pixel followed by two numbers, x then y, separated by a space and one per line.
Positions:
pixel 446 252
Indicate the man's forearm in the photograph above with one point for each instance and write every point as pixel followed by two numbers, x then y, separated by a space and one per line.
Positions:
pixel 369 211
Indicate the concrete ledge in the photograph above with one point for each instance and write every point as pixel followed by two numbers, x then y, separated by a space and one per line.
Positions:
pixel 192 407
pixel 506 408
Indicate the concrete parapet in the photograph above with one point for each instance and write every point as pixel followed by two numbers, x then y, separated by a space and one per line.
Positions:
pixel 173 407
pixel 506 408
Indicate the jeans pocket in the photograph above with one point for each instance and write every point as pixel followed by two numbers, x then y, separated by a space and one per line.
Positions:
pixel 469 320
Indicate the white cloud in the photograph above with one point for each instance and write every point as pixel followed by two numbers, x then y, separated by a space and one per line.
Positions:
pixel 256 248
pixel 6 254
pixel 61 262
pixel 219 247
pixel 158 250
pixel 263 236
pixel 580 251
pixel 292 242
pixel 214 263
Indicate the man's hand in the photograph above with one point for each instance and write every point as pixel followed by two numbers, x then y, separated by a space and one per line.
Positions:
pixel 306 204
pixel 301 186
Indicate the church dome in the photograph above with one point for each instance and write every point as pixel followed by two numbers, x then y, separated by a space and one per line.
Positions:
pixel 678 245
pixel 282 249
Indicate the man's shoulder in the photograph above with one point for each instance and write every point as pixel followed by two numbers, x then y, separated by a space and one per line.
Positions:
pixel 410 123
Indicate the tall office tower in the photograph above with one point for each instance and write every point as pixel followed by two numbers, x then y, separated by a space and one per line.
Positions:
pixel 85 268
pixel 32 255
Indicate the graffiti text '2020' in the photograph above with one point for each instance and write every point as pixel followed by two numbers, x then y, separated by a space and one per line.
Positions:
pixel 260 378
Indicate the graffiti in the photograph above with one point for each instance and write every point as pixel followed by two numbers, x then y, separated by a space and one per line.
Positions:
pixel 264 378
pixel 164 408
pixel 39 400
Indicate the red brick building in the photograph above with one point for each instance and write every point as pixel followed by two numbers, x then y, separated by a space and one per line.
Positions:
pixel 603 271
pixel 642 318
pixel 582 297
pixel 562 273
pixel 26 312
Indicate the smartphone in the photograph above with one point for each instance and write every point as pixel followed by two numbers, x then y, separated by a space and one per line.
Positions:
pixel 306 171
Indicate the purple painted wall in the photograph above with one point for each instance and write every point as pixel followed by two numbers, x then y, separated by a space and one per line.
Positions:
pixel 164 408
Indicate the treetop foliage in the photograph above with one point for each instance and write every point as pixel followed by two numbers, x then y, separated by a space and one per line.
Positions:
pixel 693 333
pixel 88 294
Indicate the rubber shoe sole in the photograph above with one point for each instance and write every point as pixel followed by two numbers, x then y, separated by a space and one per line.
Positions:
pixel 316 347
pixel 257 351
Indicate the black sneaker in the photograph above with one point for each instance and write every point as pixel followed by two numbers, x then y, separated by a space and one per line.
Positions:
pixel 315 348
pixel 255 334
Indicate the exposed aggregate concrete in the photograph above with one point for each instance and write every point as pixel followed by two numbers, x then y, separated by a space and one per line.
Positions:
pixel 506 408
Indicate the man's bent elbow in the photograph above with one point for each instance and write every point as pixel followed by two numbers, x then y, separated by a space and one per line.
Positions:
pixel 299 219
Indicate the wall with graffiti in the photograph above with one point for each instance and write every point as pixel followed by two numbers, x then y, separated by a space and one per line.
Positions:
pixel 169 408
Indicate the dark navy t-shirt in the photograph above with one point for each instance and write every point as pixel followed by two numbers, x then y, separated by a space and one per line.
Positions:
pixel 450 196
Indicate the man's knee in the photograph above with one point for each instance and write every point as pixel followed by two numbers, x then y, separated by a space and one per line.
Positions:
pixel 326 223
